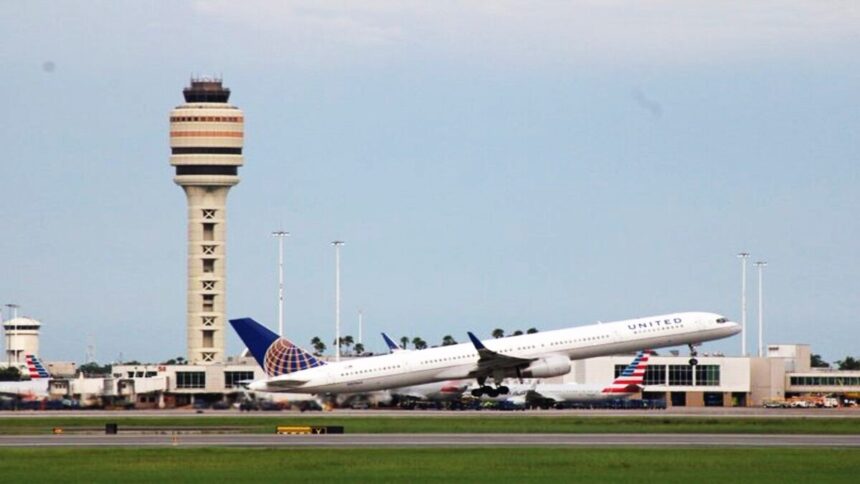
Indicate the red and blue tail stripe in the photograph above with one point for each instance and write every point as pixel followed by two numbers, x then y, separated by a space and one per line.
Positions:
pixel 631 379
pixel 35 368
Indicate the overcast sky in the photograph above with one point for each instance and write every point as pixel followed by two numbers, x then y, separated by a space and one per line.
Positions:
pixel 489 164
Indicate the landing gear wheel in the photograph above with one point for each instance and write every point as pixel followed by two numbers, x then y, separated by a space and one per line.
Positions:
pixel 492 392
pixel 503 390
pixel 478 392
pixel 694 362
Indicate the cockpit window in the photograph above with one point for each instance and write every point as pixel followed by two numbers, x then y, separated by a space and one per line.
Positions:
pixel 721 320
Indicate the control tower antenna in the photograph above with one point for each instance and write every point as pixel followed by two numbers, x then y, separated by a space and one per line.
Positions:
pixel 206 138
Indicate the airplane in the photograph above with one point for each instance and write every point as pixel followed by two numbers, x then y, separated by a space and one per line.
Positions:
pixel 539 355
pixel 34 388
pixel 627 384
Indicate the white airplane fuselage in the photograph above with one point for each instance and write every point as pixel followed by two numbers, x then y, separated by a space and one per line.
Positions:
pixel 559 392
pixel 27 389
pixel 549 348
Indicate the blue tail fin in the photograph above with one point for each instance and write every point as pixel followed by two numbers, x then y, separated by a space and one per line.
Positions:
pixel 277 356
pixel 392 346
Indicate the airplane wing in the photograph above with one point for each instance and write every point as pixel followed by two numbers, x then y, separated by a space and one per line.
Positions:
pixel 285 383
pixel 489 360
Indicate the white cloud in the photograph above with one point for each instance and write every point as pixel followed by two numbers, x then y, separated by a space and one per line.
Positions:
pixel 525 32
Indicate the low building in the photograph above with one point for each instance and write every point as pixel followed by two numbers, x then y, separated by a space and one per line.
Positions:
pixel 166 386
pixel 726 381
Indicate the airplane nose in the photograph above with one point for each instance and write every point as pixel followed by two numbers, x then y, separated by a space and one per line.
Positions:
pixel 257 386
pixel 734 327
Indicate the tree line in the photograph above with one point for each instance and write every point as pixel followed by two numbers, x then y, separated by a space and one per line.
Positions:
pixel 350 347
pixel 847 363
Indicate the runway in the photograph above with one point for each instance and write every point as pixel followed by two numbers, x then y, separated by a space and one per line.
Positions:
pixel 432 440
pixel 718 412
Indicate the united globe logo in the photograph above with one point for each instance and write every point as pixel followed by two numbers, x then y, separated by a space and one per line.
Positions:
pixel 283 357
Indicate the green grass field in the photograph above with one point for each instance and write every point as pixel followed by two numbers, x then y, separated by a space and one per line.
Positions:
pixel 514 423
pixel 430 465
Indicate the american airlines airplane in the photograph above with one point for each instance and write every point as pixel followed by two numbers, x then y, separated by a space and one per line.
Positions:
pixel 538 355
pixel 627 384
pixel 34 388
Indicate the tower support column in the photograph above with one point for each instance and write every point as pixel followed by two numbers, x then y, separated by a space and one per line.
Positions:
pixel 206 138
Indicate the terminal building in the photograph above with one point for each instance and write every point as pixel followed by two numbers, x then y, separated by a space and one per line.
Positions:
pixel 721 381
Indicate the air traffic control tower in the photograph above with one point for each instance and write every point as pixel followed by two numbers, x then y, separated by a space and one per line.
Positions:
pixel 206 135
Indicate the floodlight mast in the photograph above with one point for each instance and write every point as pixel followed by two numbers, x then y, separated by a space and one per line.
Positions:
pixel 337 244
pixel 281 235
pixel 760 266
pixel 743 257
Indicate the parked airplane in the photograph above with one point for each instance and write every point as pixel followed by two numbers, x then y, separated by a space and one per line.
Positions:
pixel 440 391
pixel 34 388
pixel 538 355
pixel 627 384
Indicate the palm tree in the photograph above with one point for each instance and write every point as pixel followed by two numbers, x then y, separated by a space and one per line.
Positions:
pixel 404 341
pixel 448 340
pixel 419 343
pixel 498 333
pixel 319 346
pixel 816 361
pixel 532 331
pixel 359 349
pixel 348 341
pixel 849 363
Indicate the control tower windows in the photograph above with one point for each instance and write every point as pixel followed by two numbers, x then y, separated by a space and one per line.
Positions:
pixel 207 357
pixel 208 285
pixel 208 320
pixel 208 250
pixel 208 265
pixel 208 338
pixel 208 213
pixel 208 232
pixel 208 302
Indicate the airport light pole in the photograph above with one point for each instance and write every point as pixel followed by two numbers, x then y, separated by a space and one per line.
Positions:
pixel 743 256
pixel 281 235
pixel 760 266
pixel 360 315
pixel 337 244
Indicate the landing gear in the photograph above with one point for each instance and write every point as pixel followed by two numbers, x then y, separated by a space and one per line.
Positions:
pixel 693 354
pixel 490 391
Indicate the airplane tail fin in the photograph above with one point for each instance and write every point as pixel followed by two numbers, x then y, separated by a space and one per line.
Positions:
pixel 631 379
pixel 392 346
pixel 276 355
pixel 36 368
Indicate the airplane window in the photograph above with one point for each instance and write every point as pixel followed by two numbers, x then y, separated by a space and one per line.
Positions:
pixel 721 320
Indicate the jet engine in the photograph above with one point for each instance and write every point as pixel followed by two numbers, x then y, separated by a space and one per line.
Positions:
pixel 549 366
